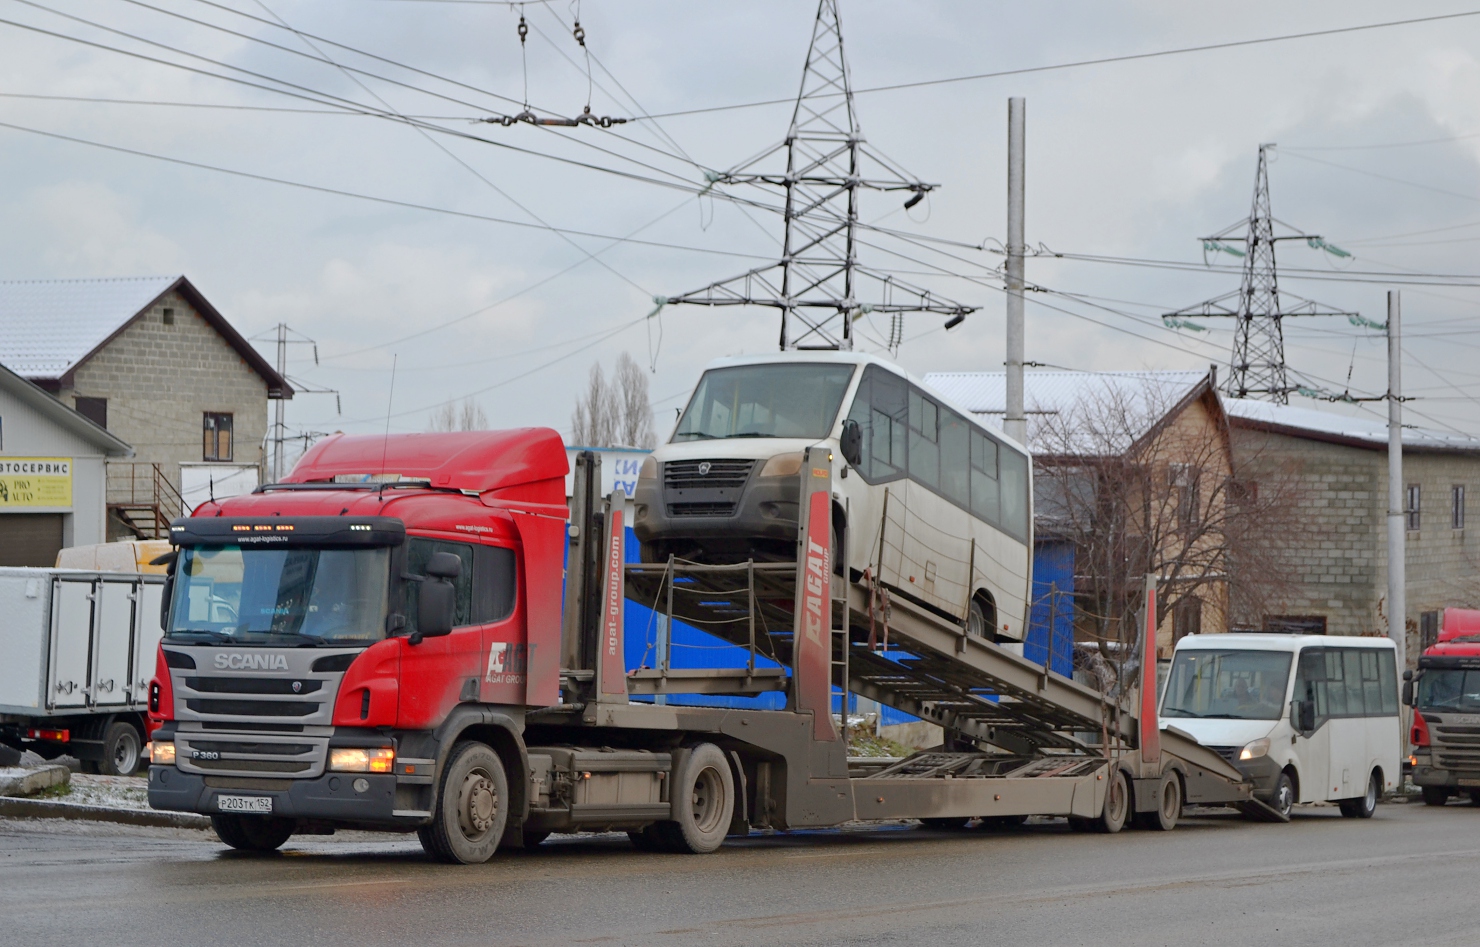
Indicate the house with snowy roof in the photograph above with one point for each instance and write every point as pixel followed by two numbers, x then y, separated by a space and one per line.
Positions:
pixel 152 362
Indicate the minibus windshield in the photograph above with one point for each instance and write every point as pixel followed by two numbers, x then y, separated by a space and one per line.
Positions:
pixel 1449 689
pixel 1230 685
pixel 293 596
pixel 768 400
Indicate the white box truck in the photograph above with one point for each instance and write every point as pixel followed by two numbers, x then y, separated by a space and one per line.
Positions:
pixel 77 651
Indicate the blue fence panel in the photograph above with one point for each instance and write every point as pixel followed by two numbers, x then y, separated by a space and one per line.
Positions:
pixel 1050 638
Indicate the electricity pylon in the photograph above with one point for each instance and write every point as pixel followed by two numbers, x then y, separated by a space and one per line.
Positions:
pixel 818 284
pixel 1257 368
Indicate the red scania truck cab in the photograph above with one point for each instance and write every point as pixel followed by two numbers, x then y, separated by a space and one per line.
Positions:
pixel 329 640
pixel 1445 697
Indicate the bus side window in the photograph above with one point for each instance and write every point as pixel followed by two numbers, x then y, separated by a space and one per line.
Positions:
pixel 1335 683
pixel 1387 680
pixel 924 431
pixel 1014 493
pixel 1310 681
pixel 984 492
pixel 1356 704
pixel 955 458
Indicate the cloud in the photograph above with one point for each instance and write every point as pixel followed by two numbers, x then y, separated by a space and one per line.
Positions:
pixel 86 229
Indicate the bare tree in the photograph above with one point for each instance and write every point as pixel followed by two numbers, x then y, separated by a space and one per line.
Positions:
pixel 468 416
pixel 1139 484
pixel 615 414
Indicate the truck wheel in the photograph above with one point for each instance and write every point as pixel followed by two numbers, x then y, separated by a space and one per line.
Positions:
pixel 1117 804
pixel 703 802
pixel 1435 795
pixel 252 833
pixel 122 750
pixel 471 810
pixel 649 838
pixel 1363 806
pixel 1168 806
pixel 1475 797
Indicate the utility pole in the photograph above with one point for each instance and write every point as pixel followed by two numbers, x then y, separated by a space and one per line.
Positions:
pixel 1259 307
pixel 277 411
pixel 1397 508
pixel 818 284
pixel 1016 423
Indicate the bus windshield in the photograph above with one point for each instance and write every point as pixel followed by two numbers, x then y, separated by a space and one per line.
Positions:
pixel 1231 685
pixel 1449 689
pixel 790 400
pixel 281 596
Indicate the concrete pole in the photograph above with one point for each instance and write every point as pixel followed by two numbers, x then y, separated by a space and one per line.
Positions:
pixel 277 411
pixel 1397 507
pixel 1015 424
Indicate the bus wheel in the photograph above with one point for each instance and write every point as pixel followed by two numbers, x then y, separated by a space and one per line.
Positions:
pixel 252 833
pixel 471 807
pixel 1168 806
pixel 1363 806
pixel 703 801
pixel 1435 795
pixel 1117 804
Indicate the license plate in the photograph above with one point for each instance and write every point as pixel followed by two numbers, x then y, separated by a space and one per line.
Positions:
pixel 1469 782
pixel 244 803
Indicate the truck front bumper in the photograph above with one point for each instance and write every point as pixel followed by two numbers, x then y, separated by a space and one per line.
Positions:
pixel 346 798
pixel 1427 775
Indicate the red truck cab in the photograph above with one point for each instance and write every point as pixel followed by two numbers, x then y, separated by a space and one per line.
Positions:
pixel 328 640
pixel 1445 695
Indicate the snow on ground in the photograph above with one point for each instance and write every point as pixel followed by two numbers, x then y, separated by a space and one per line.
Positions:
pixel 117 792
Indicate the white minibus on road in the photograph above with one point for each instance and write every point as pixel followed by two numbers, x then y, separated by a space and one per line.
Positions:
pixel 1309 718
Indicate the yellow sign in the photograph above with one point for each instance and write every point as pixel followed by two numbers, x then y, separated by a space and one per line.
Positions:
pixel 35 481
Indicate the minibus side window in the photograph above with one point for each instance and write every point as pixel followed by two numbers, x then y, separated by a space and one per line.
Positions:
pixel 924 433
pixel 1335 683
pixel 1387 682
pixel 880 408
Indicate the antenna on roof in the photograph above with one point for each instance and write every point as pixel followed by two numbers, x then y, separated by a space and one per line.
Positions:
pixel 385 443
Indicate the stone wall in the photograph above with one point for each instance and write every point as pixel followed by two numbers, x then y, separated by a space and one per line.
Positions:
pixel 160 379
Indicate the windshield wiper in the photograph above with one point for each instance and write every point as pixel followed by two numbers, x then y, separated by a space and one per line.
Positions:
pixel 210 633
pixel 309 641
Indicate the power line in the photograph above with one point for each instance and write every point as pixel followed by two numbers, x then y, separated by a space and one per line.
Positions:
pixel 98 100
pixel 1381 177
pixel 1104 60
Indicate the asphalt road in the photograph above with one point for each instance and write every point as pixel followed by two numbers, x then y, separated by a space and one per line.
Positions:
pixel 1406 876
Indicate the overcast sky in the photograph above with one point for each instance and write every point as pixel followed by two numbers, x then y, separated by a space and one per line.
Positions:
pixel 1378 134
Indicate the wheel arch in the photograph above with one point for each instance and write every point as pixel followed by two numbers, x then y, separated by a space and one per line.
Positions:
pixel 501 732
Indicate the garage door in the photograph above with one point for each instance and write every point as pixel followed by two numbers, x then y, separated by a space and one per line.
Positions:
pixel 30 539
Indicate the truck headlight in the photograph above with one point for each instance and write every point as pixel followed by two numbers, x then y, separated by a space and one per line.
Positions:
pixel 1254 750
pixel 783 465
pixel 162 754
pixel 358 759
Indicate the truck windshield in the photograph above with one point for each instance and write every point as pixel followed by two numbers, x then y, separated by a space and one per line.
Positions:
pixel 1449 689
pixel 1231 685
pixel 281 596
pixel 791 400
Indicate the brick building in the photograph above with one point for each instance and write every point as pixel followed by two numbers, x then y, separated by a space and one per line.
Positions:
pixel 1341 463
pixel 152 362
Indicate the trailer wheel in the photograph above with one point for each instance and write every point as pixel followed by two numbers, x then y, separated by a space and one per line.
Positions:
pixel 1117 804
pixel 1435 795
pixel 472 807
pixel 1168 806
pixel 122 750
pixel 703 802
pixel 252 833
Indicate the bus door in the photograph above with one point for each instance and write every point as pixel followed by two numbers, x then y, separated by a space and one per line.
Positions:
pixel 1312 747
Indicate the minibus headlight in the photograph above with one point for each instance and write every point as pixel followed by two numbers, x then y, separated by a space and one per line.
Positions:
pixel 783 465
pixel 162 754
pixel 358 759
pixel 1254 750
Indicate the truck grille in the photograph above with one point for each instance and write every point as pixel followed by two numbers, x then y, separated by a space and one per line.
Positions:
pixel 685 475
pixel 1455 746
pixel 255 725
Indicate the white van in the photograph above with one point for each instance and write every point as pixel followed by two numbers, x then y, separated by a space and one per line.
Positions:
pixel 937 506
pixel 1309 718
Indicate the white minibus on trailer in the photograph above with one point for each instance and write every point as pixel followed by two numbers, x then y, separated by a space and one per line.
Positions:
pixel 1308 718
pixel 936 506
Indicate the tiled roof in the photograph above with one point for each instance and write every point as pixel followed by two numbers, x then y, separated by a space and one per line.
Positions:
pixel 48 326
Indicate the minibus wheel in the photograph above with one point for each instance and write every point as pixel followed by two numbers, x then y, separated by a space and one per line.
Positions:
pixel 1363 806
pixel 1282 800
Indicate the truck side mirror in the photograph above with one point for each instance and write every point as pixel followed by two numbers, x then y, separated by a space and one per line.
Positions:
pixel 850 442
pixel 170 560
pixel 436 606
